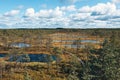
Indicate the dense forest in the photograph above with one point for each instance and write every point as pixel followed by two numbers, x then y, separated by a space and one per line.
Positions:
pixel 59 54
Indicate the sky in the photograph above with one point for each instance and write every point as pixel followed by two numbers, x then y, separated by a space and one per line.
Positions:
pixel 59 14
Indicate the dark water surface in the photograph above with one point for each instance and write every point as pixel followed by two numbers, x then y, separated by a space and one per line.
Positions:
pixel 33 57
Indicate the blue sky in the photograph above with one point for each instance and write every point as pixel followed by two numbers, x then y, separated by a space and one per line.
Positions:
pixel 59 13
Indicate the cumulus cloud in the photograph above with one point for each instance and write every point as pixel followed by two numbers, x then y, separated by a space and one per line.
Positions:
pixel 102 12
pixel 102 15
pixel 79 17
pixel 11 13
pixel 101 8
pixel 44 13
pixel 57 12
pixel 30 12
pixel 8 22
pixel 116 1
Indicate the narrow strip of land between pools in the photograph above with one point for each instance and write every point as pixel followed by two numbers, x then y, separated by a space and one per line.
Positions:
pixel 5 52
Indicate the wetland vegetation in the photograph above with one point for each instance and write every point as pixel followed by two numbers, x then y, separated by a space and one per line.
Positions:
pixel 59 54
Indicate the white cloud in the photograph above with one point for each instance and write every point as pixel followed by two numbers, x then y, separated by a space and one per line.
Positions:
pixel 12 13
pixel 80 16
pixel 57 12
pixel 8 22
pixel 101 8
pixel 30 12
pixel 44 13
pixel 85 9
pixel 99 16
pixel 116 1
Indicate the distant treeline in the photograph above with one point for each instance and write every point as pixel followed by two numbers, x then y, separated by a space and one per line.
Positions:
pixel 102 32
